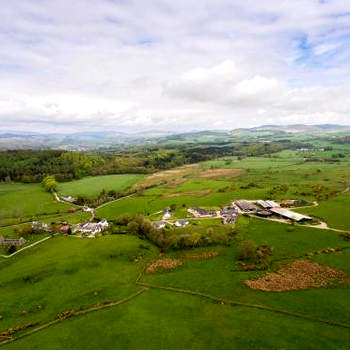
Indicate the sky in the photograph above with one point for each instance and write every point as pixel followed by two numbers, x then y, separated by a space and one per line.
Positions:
pixel 131 66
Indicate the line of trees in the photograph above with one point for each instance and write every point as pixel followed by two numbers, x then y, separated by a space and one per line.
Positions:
pixel 33 165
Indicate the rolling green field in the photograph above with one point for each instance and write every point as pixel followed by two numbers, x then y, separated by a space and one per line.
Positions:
pixel 68 273
pixel 93 185
pixel 261 177
pixel 161 320
pixel 334 211
pixel 204 303
pixel 88 272
pixel 20 202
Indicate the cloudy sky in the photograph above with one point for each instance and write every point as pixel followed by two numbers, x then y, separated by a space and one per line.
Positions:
pixel 179 65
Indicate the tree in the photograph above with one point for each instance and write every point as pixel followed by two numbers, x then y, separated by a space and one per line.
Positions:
pixel 50 184
pixel 247 250
pixel 133 227
pixel 112 193
pixel 11 249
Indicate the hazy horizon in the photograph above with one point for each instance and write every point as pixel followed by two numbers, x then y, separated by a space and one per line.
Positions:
pixel 179 66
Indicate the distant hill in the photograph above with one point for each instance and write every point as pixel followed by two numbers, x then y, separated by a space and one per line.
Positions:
pixel 83 141
pixel 302 128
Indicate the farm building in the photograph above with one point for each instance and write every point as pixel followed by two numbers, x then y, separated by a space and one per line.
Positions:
pixel 181 223
pixel 40 226
pixel 287 214
pixel 167 214
pixel 86 209
pixel 267 204
pixel 287 203
pixel 229 215
pixel 264 213
pixel 92 228
pixel 246 206
pixel 65 228
pixel 158 224
pixel 69 199
pixel 11 241
pixel 198 212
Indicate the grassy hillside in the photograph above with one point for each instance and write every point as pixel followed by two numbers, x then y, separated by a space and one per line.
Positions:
pixel 334 211
pixel 91 186
pixel 161 320
pixel 204 302
pixel 86 272
pixel 20 202
pixel 68 273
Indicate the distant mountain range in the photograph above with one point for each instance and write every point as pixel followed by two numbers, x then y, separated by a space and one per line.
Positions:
pixel 304 128
pixel 93 140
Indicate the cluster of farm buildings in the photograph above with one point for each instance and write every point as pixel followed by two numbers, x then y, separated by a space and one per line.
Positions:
pixel 228 215
pixel 260 207
pixel 269 208
pixel 87 229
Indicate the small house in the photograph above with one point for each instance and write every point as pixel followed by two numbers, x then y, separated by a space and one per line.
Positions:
pixel 158 224
pixel 11 241
pixel 69 199
pixel 86 209
pixel 181 223
pixel 167 215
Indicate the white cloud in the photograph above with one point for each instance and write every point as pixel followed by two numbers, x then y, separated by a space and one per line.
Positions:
pixel 178 65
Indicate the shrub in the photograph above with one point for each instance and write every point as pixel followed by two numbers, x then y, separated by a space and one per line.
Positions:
pixel 11 249
pixel 247 250
pixel 253 257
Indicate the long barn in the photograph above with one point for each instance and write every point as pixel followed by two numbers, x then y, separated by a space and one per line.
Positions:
pixel 291 215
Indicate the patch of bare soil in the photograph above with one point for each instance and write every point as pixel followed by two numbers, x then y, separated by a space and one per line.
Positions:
pixel 221 172
pixel 170 176
pixel 196 165
pixel 163 264
pixel 295 276
pixel 205 255
pixel 201 193
pixel 177 182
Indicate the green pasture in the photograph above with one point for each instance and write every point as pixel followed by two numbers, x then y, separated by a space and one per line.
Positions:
pixel 91 186
pixel 20 202
pixel 301 183
pixel 222 276
pixel 335 211
pixel 71 273
pixel 163 320
pixel 66 273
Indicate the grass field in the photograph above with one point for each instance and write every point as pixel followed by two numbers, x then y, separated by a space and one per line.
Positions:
pixel 93 185
pixel 222 277
pixel 20 202
pixel 70 273
pixel 264 178
pixel 162 320
pixel 334 211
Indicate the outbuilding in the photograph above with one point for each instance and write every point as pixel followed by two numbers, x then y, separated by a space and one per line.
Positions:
pixel 181 223
pixel 158 224
pixel 246 206
pixel 291 215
